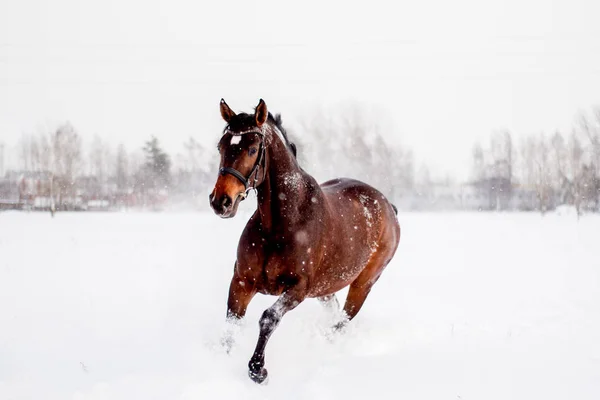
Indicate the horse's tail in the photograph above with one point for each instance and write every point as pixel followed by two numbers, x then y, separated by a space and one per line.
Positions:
pixel 395 209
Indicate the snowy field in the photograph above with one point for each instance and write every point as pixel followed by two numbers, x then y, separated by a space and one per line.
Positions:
pixel 131 306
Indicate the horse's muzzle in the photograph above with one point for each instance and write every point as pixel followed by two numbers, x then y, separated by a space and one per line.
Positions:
pixel 224 206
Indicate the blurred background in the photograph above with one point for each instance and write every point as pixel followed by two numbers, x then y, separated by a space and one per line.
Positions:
pixel 112 106
pixel 443 106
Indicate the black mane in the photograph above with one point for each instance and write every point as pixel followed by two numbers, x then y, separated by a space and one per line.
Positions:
pixel 279 124
pixel 243 122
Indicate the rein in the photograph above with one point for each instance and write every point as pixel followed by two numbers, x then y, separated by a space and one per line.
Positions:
pixel 234 172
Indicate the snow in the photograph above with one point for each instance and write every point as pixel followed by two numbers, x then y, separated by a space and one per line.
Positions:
pixel 132 306
pixel 293 180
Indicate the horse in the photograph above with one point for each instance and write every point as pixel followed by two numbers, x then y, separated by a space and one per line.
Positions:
pixel 304 240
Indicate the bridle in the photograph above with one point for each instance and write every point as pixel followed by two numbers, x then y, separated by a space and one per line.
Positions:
pixel 249 182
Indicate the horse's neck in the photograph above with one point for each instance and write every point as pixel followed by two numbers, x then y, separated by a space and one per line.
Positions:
pixel 279 191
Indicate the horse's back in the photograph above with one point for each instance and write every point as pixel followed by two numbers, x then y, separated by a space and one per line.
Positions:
pixel 341 191
pixel 351 199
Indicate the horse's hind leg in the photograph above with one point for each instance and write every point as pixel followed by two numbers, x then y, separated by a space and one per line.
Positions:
pixel 360 289
pixel 330 302
pixel 361 286
pixel 357 294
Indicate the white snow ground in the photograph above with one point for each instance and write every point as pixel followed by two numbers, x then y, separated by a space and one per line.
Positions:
pixel 131 306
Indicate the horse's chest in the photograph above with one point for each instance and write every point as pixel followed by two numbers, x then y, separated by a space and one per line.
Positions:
pixel 276 275
pixel 273 264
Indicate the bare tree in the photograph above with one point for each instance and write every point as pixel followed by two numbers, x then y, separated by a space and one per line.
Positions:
pixel 122 169
pixel 478 172
pixel 576 171
pixel 100 162
pixel 543 174
pixel 560 179
pixel 501 169
pixel 66 145
pixel 590 129
pixel 192 150
pixel 528 168
pixel 25 153
pixel 352 143
pixel 46 156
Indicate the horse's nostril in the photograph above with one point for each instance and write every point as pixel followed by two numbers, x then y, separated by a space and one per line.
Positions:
pixel 226 202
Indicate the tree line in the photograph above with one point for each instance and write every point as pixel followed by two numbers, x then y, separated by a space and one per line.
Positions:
pixel 55 167
pixel 540 172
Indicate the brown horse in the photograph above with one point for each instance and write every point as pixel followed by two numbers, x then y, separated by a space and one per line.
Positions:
pixel 305 239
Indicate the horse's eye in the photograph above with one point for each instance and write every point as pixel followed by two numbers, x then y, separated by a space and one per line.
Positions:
pixel 252 151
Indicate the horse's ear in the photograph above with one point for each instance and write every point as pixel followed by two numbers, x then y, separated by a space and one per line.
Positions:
pixel 261 113
pixel 226 112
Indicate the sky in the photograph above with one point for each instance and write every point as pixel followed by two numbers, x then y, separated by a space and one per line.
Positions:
pixel 446 73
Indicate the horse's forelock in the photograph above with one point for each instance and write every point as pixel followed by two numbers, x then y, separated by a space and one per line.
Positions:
pixel 243 122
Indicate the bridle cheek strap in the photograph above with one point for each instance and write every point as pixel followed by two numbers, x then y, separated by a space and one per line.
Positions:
pixel 242 178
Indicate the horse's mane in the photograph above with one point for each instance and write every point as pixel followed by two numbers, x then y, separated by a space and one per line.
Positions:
pixel 279 124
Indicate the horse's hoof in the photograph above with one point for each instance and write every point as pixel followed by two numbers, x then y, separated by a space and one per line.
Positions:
pixel 340 327
pixel 259 377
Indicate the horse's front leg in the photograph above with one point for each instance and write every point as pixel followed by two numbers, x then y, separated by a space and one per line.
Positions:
pixel 268 322
pixel 240 294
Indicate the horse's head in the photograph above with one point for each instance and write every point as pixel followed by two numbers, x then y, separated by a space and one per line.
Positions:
pixel 242 149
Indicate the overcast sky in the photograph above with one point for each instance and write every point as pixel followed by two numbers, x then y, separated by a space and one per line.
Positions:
pixel 448 72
